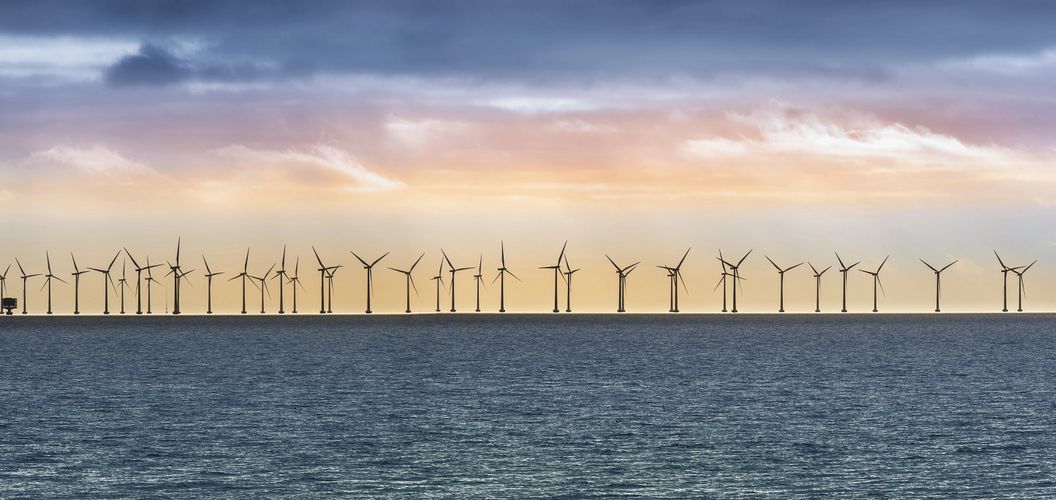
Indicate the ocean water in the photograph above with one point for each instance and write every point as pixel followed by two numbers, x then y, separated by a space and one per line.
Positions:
pixel 889 406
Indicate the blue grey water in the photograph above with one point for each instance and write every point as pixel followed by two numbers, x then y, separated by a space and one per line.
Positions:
pixel 529 405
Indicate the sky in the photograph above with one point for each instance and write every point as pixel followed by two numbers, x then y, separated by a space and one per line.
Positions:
pixel 637 129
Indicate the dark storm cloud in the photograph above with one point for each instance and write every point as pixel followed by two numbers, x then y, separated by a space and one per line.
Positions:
pixel 151 66
pixel 252 40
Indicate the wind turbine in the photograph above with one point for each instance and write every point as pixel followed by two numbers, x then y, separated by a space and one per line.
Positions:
pixel 209 285
pixel 477 277
pixel 736 274
pixel 3 285
pixel 279 275
pixel 843 270
pixel 25 278
pixel 876 281
pixel 1022 287
pixel 330 271
pixel 263 286
pixel 452 269
pixel 410 282
pixel 568 284
pixel 48 277
pixel 177 275
pixel 938 280
pixel 621 273
pixel 501 277
pixel 244 274
pixel 150 279
pixel 139 272
pixel 370 276
pixel 817 286
pixel 107 280
pixel 557 272
pixel 295 282
pixel 1004 277
pixel 722 280
pixel 324 272
pixel 439 279
pixel 123 283
pixel 781 273
pixel 674 275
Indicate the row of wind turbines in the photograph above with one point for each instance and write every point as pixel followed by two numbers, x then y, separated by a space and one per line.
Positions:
pixel 730 279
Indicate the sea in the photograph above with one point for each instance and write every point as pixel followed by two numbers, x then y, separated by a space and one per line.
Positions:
pixel 528 406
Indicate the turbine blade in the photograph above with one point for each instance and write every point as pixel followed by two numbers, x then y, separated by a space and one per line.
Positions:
pixel 742 258
pixel 882 264
pixel 361 260
pixel 929 265
pixel 773 264
pixel 416 262
pixel 948 266
pixel 838 259
pixel 133 259
pixel 793 267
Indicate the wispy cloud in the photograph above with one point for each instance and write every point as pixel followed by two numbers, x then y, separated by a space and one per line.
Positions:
pixel 1006 64
pixel 64 58
pixel 93 160
pixel 324 157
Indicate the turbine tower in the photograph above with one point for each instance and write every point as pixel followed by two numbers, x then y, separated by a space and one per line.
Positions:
pixel 568 284
pixel 263 287
pixel 150 279
pixel 139 272
pixel 621 273
pixel 674 275
pixel 76 285
pixel 439 279
pixel 107 280
pixel 722 280
pixel 295 281
pixel 938 281
pixel 876 281
pixel 817 286
pixel 477 277
pixel 1022 287
pixel 843 270
pixel 557 272
pixel 326 276
pixel 3 285
pixel 781 273
pixel 501 277
pixel 279 275
pixel 410 282
pixel 122 284
pixel 177 275
pixel 209 285
pixel 25 278
pixel 370 276
pixel 736 275
pixel 1004 277
pixel 330 272
pixel 244 274
pixel 452 269
pixel 48 277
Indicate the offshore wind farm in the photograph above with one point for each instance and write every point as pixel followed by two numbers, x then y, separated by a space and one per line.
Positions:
pixel 552 249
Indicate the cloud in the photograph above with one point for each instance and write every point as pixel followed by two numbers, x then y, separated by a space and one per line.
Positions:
pixel 62 58
pixel 152 65
pixel 323 157
pixel 1006 64
pixel 781 129
pixel 421 132
pixel 95 160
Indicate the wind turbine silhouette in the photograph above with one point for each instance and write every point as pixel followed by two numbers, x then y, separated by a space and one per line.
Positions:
pixel 3 286
pixel 557 272
pixel 370 276
pixel 843 270
pixel 568 284
pixel 279 275
pixel 326 277
pixel 150 279
pixel 781 273
pixel 330 271
pixel 722 280
pixel 295 281
pixel 452 269
pixel 876 281
pixel 1004 277
pixel 501 277
pixel 209 285
pixel 938 280
pixel 410 282
pixel 621 273
pixel 244 274
pixel 177 275
pixel 674 275
pixel 817 286
pixel 263 286
pixel 139 272
pixel 477 277
pixel 736 268
pixel 25 278
pixel 122 283
pixel 107 280
pixel 48 277
pixel 439 279
pixel 1022 287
